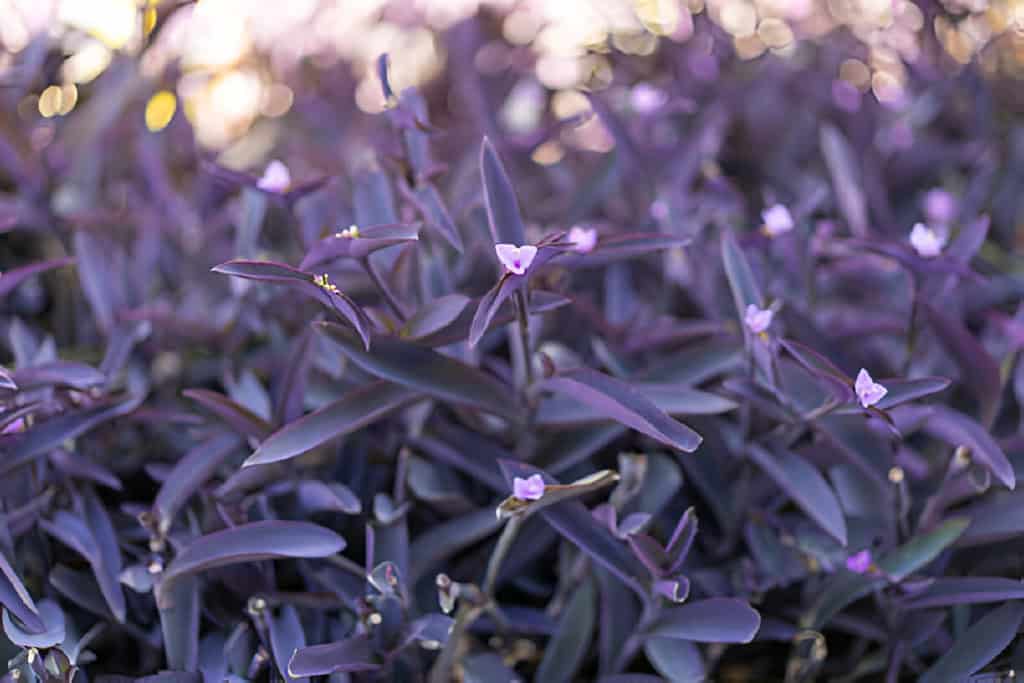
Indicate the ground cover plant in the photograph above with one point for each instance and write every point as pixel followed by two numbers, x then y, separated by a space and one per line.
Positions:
pixel 717 377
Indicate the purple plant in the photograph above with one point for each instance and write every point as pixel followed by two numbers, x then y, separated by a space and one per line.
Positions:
pixel 415 402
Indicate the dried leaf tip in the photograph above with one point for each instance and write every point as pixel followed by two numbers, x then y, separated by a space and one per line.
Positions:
pixel 869 392
pixel 516 260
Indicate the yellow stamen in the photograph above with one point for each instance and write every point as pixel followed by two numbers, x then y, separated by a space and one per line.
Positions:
pixel 324 283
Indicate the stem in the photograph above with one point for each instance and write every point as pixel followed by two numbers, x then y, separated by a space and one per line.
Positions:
pixel 385 293
pixel 348 565
pixel 508 535
pixel 464 617
pixel 912 333
pixel 523 313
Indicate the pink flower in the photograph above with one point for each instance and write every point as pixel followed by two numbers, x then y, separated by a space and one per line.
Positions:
pixel 926 242
pixel 777 220
pixel 869 392
pixel 757 319
pixel 276 178
pixel 859 562
pixel 585 239
pixel 646 98
pixel 939 207
pixel 515 259
pixel 531 488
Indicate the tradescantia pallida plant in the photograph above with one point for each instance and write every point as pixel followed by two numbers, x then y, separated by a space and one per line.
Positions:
pixel 697 408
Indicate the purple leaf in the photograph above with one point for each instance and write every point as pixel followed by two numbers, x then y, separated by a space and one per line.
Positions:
pixel 508 284
pixel 189 473
pixel 106 565
pixel 425 370
pixel 715 620
pixel 805 486
pixel 370 239
pixel 674 659
pixel 12 278
pixel 957 429
pixel 303 282
pixel 286 637
pixel 45 436
pixel 254 541
pixel 51 634
pixel 290 389
pixel 620 247
pixel 237 416
pixel 354 654
pixel 500 199
pixel 179 622
pixel 745 290
pixel 563 411
pixel 969 240
pixel 318 495
pixel 573 521
pixel 435 213
pixel 59 373
pixel 845 172
pixel 837 381
pixel 966 590
pixel 567 648
pixel 434 316
pixel 352 412
pixel 618 401
pixel 978 645
pixel 15 597
pixel 978 370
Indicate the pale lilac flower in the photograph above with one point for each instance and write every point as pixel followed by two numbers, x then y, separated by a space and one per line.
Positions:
pixel 757 319
pixel 646 98
pixel 531 488
pixel 276 178
pixel 869 392
pixel 939 207
pixel 585 239
pixel 928 243
pixel 859 562
pixel 515 259
pixel 777 220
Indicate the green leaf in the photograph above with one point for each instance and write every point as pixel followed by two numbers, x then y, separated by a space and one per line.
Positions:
pixel 566 649
pixel 979 645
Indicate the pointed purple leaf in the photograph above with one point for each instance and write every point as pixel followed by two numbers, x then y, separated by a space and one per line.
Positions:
pixel 715 620
pixel 500 199
pixel 354 654
pixel 618 401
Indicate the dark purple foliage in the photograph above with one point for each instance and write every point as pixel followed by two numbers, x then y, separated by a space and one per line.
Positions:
pixel 718 417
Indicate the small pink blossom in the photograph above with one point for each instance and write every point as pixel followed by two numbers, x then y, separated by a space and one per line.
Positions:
pixel 646 98
pixel 859 562
pixel 869 392
pixel 928 243
pixel 939 207
pixel 531 488
pixel 757 319
pixel 276 178
pixel 777 220
pixel 516 259
pixel 585 239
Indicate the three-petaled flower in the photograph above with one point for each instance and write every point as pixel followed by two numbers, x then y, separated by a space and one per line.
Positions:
pixel 927 242
pixel 531 488
pixel 777 220
pixel 869 392
pixel 757 319
pixel 585 239
pixel 859 562
pixel 276 178
pixel 516 259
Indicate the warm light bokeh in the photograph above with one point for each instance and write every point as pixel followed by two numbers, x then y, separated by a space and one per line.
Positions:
pixel 234 54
